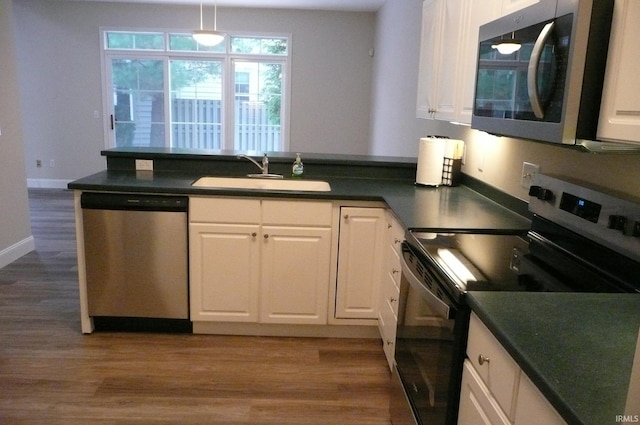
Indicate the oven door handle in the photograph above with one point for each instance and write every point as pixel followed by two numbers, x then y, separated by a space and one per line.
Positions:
pixel 438 306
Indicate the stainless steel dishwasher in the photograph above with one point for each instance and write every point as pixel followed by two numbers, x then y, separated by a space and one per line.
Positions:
pixel 136 255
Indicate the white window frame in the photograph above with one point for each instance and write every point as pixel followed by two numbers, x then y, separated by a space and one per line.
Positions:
pixel 228 89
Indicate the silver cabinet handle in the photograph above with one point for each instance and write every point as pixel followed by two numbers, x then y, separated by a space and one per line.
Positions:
pixel 266 237
pixel 346 216
pixel 254 234
pixel 395 271
pixel 482 359
pixel 392 300
pixel 389 342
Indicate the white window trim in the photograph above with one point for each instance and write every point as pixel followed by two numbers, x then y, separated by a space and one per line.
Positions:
pixel 106 55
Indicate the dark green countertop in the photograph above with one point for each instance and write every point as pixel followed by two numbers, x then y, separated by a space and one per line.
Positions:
pixel 577 348
pixel 417 207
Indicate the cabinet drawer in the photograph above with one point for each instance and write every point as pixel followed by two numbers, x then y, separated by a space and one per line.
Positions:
pixel 295 212
pixel 390 293
pixel 393 264
pixel 500 373
pixel 396 233
pixel 388 323
pixel 224 210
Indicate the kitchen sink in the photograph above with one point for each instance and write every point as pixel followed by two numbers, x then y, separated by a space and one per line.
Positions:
pixel 262 184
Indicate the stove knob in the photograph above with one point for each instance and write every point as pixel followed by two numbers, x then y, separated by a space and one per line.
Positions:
pixel 617 222
pixel 540 193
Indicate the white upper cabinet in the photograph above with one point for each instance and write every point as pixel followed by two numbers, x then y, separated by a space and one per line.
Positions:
pixel 620 109
pixel 430 39
pixel 448 54
pixel 510 6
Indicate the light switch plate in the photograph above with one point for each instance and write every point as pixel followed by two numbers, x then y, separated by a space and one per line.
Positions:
pixel 144 164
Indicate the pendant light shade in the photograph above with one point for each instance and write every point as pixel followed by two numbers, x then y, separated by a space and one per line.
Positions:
pixel 507 46
pixel 209 37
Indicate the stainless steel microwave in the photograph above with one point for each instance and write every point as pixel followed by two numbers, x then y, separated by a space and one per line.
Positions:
pixel 549 88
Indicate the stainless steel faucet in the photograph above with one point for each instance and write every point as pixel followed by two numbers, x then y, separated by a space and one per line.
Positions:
pixel 265 163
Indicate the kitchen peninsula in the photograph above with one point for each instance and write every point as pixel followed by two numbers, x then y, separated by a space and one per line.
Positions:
pixel 387 183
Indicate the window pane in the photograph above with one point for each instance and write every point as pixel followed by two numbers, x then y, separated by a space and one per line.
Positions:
pixel 135 40
pixel 257 106
pixel 259 46
pixel 196 104
pixel 138 97
pixel 186 43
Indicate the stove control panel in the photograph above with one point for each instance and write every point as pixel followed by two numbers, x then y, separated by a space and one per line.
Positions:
pixel 607 218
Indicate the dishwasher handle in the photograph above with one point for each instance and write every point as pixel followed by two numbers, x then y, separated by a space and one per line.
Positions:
pixel 133 202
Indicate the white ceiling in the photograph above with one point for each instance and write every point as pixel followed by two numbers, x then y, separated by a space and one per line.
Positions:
pixel 345 5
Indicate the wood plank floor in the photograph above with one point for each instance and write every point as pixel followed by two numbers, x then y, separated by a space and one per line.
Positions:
pixel 52 374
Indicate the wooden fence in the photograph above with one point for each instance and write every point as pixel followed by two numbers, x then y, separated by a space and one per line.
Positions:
pixel 197 124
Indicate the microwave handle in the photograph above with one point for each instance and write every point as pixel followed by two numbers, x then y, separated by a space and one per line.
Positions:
pixel 532 74
pixel 439 307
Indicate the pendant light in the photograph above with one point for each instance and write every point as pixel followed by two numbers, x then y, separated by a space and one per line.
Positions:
pixel 508 46
pixel 209 37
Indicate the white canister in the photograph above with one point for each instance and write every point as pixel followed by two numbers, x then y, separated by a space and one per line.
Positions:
pixel 430 161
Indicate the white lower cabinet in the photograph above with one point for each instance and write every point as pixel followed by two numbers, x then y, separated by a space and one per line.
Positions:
pixel 390 294
pixel 360 262
pixel 477 405
pixel 259 260
pixel 224 279
pixel 533 408
pixel 295 274
pixel 494 389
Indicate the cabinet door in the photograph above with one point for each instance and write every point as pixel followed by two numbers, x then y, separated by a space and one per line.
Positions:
pixel 448 61
pixel 295 274
pixel 360 262
pixel 430 39
pixel 224 272
pixel 620 110
pixel 477 406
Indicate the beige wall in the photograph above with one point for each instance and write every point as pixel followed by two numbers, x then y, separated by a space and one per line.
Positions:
pixel 15 230
pixel 60 75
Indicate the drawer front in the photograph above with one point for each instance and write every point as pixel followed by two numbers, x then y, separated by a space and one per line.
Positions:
pixel 388 323
pixel 396 232
pixel 293 212
pixel 494 365
pixel 393 264
pixel 224 210
pixel 390 293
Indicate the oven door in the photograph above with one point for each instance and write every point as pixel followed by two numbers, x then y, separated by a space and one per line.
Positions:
pixel 430 343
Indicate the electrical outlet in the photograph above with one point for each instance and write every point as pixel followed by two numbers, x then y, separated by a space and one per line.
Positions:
pixel 529 172
pixel 38 163
pixel 144 164
pixel 52 163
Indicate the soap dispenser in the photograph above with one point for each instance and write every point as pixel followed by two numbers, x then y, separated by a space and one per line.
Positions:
pixel 297 170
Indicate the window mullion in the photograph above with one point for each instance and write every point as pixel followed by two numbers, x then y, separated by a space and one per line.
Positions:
pixel 228 97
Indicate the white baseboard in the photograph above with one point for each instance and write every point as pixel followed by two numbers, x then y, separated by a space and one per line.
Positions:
pixel 17 250
pixel 47 183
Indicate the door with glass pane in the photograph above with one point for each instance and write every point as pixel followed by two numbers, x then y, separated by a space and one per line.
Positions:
pixel 257 105
pixel 138 117
pixel 196 104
